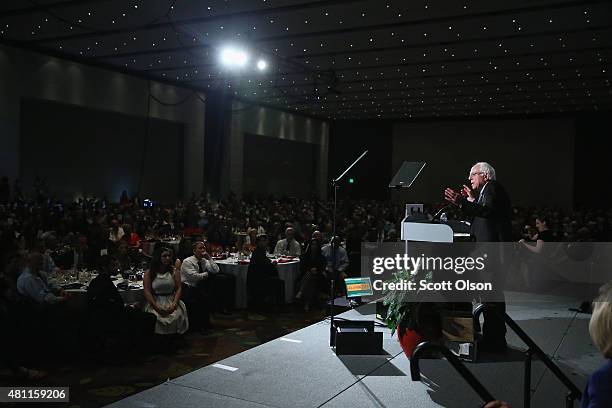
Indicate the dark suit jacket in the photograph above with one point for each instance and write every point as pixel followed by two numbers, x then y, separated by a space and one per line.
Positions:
pixel 260 273
pixel 492 216
pixel 260 267
pixel 103 296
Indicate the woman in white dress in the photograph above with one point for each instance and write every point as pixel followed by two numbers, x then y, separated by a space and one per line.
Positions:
pixel 162 290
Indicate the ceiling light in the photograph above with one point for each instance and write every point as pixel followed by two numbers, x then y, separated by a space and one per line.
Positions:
pixel 262 65
pixel 234 57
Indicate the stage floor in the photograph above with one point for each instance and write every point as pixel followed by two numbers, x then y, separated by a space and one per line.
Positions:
pixel 300 370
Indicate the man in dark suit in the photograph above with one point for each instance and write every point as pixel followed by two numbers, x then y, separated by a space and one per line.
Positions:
pixel 488 203
pixel 263 282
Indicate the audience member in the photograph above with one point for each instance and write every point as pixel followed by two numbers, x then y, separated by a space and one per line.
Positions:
pixel 123 257
pixel 107 312
pixel 162 290
pixel 543 235
pixel 251 240
pixel 337 259
pixel 312 265
pixel 288 245
pixel 82 256
pixel 11 347
pixel 45 310
pixel 263 283
pixel 116 232
pixel 196 271
pixel 132 238
pixel 48 264
pixel 34 285
pixel 598 391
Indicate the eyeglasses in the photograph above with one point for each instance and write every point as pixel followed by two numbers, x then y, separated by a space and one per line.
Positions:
pixel 480 173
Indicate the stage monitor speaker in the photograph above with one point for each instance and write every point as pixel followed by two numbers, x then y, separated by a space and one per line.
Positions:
pixel 357 337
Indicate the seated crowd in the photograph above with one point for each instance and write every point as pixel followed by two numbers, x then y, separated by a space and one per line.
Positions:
pixel 41 237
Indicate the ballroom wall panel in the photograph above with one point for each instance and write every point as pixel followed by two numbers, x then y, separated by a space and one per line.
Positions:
pixel 256 120
pixel 277 166
pixel 120 152
pixel 28 75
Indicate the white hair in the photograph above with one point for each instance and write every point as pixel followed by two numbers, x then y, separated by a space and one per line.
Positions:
pixel 486 169
pixel 600 326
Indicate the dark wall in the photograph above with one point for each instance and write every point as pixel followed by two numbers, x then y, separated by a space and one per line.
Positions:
pixel 560 161
pixel 216 123
pixel 347 140
pixel 593 173
pixel 9 160
pixel 278 166
pixel 533 157
pixel 90 152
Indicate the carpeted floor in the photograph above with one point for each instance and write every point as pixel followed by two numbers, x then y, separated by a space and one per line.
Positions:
pixel 99 381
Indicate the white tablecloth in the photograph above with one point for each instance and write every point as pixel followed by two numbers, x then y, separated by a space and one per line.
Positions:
pixel 147 246
pixel 288 272
pixel 135 293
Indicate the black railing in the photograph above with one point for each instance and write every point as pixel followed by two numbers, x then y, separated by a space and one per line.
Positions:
pixel 532 348
pixel 467 375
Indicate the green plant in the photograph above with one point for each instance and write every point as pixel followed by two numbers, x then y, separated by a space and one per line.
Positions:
pixel 401 303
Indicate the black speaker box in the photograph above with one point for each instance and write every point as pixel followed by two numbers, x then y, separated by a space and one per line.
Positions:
pixel 357 337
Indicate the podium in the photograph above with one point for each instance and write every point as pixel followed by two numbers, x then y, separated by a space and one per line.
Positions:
pixel 456 317
pixel 425 232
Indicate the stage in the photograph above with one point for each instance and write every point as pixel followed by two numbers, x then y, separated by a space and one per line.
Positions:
pixel 300 370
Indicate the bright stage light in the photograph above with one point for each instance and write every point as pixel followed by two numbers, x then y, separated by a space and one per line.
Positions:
pixel 234 57
pixel 262 65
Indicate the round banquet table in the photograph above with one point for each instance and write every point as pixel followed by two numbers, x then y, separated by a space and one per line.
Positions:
pixel 133 295
pixel 147 245
pixel 288 271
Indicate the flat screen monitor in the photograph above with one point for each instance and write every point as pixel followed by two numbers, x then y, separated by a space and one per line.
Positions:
pixel 356 287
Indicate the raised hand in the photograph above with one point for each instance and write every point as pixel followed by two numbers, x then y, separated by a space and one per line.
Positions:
pixel 452 196
pixel 468 193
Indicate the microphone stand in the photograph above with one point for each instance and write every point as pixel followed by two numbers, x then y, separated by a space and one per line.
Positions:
pixel 333 249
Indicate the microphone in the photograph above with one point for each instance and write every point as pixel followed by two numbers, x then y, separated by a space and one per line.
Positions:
pixel 439 213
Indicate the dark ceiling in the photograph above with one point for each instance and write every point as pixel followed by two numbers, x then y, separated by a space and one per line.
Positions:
pixel 346 59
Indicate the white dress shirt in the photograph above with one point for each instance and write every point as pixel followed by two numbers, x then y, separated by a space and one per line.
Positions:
pixel 294 248
pixel 190 270
pixel 341 262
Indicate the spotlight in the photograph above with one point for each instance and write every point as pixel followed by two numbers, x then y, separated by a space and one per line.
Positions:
pixel 262 65
pixel 234 57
